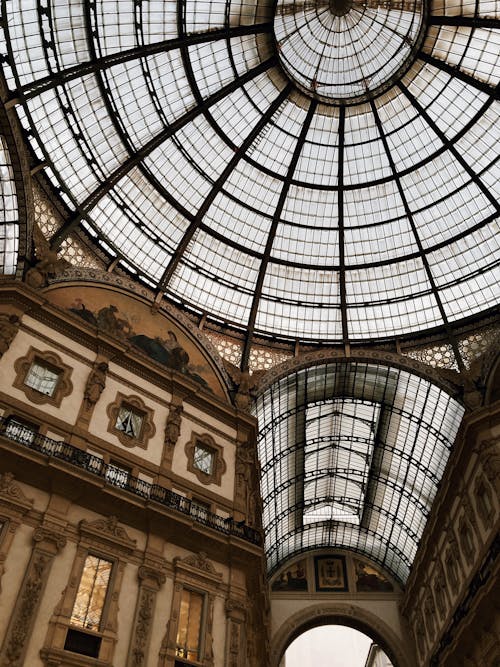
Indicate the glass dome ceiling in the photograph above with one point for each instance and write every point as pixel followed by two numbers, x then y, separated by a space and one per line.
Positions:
pixel 320 170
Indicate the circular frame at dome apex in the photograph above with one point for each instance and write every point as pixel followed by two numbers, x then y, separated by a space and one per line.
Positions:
pixel 345 52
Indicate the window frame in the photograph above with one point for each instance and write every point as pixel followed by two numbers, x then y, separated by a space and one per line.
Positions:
pixel 136 404
pixel 201 635
pixel 52 362
pixel 219 466
pixel 107 597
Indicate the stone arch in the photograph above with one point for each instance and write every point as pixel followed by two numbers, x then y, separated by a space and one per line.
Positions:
pixel 443 380
pixel 347 614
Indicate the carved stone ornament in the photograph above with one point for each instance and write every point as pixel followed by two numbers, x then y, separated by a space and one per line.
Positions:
pixel 95 384
pixel 54 538
pixel 48 265
pixel 142 628
pixel 9 326
pixel 245 385
pixel 199 561
pixel 236 606
pixel 24 614
pixel 488 452
pixel 12 495
pixel 154 574
pixel 109 531
pixel 173 425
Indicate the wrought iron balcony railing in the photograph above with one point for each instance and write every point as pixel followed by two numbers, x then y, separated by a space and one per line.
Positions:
pixel 27 436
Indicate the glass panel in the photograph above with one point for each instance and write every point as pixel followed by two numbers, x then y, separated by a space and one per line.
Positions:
pixel 351 457
pixel 129 421
pixel 42 379
pixel 189 628
pixel 203 459
pixel 91 595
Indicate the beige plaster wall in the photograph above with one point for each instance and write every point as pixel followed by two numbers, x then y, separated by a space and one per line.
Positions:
pixel 70 405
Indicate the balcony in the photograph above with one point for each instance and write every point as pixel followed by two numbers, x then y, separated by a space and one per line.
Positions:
pixel 26 436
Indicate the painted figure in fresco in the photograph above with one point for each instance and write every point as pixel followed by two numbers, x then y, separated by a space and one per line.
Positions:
pixel 167 351
pixel 111 324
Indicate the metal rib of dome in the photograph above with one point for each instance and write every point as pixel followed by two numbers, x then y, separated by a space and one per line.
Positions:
pixel 176 137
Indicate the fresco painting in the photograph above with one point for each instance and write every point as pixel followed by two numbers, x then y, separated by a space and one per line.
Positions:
pixel 370 580
pixel 132 321
pixel 294 578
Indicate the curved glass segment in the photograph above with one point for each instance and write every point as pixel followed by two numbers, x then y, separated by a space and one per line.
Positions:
pixel 351 457
pixel 288 194
pixel 9 215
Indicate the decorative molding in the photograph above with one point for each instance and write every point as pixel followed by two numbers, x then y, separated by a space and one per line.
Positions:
pixel 148 428
pixel 12 496
pixel 218 464
pixel 107 530
pixel 53 361
pixel 199 562
pixel 142 628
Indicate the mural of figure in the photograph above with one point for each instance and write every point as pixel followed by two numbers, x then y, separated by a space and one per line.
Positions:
pixel 95 383
pixel 9 326
pixel 111 324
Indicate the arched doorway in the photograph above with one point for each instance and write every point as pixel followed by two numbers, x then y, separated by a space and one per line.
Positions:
pixel 334 646
pixel 344 615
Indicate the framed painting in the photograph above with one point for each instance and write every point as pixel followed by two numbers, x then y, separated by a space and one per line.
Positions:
pixel 330 573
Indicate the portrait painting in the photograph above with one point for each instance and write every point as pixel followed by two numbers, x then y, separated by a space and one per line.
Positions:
pixel 331 573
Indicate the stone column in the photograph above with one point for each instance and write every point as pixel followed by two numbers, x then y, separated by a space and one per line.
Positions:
pixel 235 632
pixel 48 541
pixel 151 578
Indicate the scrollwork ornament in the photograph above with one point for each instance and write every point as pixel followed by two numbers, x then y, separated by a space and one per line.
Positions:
pixel 42 534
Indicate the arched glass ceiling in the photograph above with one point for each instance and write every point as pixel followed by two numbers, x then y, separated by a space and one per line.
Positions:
pixel 9 220
pixel 278 190
pixel 351 457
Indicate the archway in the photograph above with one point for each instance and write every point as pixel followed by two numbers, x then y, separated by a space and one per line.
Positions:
pixel 340 614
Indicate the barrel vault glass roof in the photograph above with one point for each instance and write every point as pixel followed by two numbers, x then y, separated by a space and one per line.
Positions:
pixel 351 457
pixel 324 170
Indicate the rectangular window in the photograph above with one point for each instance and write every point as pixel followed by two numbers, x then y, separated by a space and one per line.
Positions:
pixel 91 595
pixel 129 421
pixel 41 378
pixel 188 643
